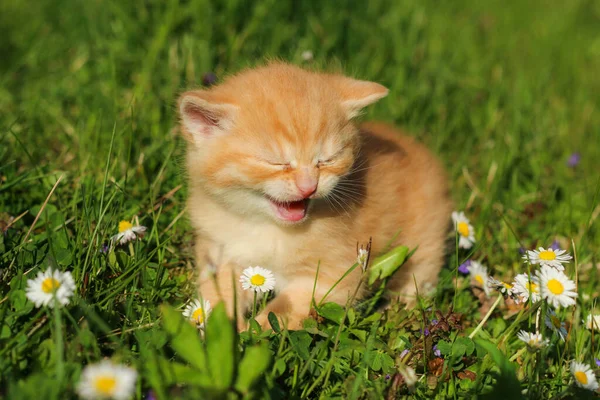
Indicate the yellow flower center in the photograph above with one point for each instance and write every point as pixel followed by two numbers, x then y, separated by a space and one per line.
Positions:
pixel 479 279
pixel 532 342
pixel 198 315
pixel 463 229
pixel 508 286
pixel 581 377
pixel 547 255
pixel 105 385
pixel 555 286
pixel 50 285
pixel 257 280
pixel 531 287
pixel 125 226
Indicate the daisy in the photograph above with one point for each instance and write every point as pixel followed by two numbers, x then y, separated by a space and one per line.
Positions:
pixel 553 322
pixel 584 376
pixel 128 232
pixel 466 233
pixel 593 322
pixel 257 279
pixel 197 311
pixel 42 289
pixel 534 341
pixel 556 288
pixel 106 380
pixel 550 257
pixel 524 286
pixel 480 275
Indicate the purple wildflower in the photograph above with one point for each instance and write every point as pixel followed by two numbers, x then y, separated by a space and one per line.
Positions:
pixel 388 377
pixel 436 351
pixel 426 332
pixel 209 79
pixel 555 245
pixel 522 250
pixel 150 395
pixel 574 160
pixel 464 267
pixel 597 362
pixel 104 249
pixel 404 353
pixel 434 321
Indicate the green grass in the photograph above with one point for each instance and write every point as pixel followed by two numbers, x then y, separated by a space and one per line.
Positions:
pixel 502 91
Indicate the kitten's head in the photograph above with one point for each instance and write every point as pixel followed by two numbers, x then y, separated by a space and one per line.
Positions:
pixel 269 140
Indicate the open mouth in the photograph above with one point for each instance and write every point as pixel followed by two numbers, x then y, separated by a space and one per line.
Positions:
pixel 291 211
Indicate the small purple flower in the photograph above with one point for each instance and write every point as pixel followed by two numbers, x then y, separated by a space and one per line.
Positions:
pixel 555 245
pixel 404 353
pixel 104 249
pixel 597 362
pixel 434 321
pixel 150 395
pixel 209 79
pixel 464 267
pixel 522 250
pixel 388 377
pixel 436 351
pixel 426 332
pixel 574 160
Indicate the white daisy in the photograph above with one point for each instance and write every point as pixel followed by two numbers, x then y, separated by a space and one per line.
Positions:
pixel 550 257
pixel 534 341
pixel 523 286
pixel 128 232
pixel 197 311
pixel 553 322
pixel 584 376
pixel 106 380
pixel 466 233
pixel 556 288
pixel 258 279
pixel 479 274
pixel 42 289
pixel 593 322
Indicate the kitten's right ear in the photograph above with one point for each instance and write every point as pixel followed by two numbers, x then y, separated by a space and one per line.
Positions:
pixel 203 115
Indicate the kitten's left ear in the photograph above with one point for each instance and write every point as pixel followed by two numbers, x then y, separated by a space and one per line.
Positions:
pixel 357 94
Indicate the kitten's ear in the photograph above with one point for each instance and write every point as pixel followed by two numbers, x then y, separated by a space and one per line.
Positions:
pixel 357 94
pixel 203 115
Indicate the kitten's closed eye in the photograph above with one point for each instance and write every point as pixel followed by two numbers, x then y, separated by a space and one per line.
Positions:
pixel 275 163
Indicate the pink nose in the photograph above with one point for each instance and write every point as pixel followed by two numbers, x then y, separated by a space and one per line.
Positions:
pixel 307 188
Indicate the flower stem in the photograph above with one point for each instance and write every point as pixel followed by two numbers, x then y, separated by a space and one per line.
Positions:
pixel 517 354
pixel 487 316
pixel 254 306
pixel 58 336
pixel 131 251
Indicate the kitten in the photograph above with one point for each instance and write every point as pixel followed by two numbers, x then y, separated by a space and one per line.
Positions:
pixel 281 177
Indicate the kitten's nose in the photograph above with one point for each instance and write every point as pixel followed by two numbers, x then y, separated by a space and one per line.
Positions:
pixel 306 181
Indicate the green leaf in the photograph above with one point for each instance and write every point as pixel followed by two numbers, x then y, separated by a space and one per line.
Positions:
pixel 462 346
pixel 274 322
pixel 220 347
pixel 385 265
pixel 300 341
pixel 185 337
pixel 444 347
pixel 507 385
pixel 253 365
pixel 333 312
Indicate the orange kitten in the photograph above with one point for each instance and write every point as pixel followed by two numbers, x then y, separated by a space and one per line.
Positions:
pixel 280 177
